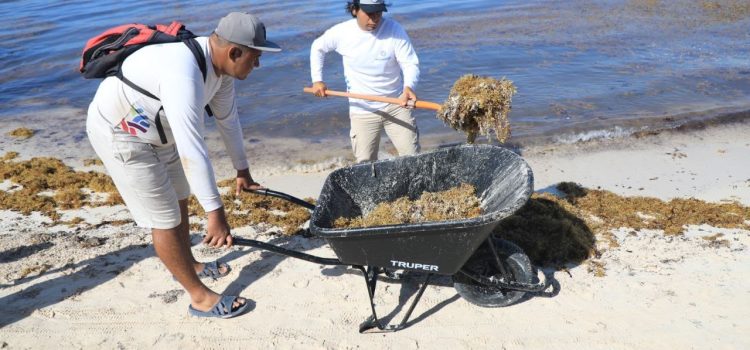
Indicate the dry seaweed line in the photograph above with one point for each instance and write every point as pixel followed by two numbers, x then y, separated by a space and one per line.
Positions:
pixel 30 178
pixel 555 231
pixel 255 209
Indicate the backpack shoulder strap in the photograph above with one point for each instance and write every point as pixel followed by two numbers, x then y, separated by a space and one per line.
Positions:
pixel 197 51
pixel 200 57
pixel 135 87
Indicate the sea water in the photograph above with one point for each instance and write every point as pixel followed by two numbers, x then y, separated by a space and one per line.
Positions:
pixel 583 69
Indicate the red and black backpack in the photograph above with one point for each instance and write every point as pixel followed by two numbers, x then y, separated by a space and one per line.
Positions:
pixel 104 54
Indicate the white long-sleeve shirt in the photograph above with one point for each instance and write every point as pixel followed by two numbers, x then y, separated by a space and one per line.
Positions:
pixel 373 61
pixel 171 73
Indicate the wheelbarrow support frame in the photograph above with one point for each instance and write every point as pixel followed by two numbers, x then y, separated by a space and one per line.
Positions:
pixel 370 274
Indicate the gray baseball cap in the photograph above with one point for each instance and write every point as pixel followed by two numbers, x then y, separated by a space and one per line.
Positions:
pixel 245 29
pixel 370 6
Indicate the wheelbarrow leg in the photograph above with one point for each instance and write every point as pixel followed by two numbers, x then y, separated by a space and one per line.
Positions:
pixel 498 262
pixel 371 279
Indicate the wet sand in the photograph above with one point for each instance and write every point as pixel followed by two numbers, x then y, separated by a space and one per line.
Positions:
pixel 99 285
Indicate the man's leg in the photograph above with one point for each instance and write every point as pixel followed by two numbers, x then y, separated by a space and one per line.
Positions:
pixel 365 136
pixel 401 128
pixel 173 250
pixel 171 158
pixel 169 246
pixel 184 232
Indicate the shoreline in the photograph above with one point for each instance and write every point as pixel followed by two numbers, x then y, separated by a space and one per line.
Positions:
pixel 270 155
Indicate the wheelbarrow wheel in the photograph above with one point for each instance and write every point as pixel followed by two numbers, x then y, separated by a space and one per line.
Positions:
pixel 482 263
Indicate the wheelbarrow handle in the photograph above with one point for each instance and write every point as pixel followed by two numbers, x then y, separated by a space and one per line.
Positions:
pixel 288 252
pixel 417 104
pixel 284 196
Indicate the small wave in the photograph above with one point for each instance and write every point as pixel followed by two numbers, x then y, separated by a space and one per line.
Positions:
pixel 590 135
pixel 678 123
pixel 306 168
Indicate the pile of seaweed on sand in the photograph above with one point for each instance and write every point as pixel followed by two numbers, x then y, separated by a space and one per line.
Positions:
pixel 255 209
pixel 456 203
pixel 477 105
pixel 22 133
pixel 577 227
pixel 46 184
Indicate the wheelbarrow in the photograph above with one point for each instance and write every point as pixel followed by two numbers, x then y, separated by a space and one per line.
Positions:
pixel 486 271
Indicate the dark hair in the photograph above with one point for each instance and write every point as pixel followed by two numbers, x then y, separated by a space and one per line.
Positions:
pixel 352 6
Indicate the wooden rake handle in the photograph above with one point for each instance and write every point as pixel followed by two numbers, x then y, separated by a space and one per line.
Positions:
pixel 417 104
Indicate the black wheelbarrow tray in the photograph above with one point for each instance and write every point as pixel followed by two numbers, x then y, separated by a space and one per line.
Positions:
pixel 486 271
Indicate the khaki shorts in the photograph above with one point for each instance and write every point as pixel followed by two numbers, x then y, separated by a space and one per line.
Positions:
pixel 399 125
pixel 150 178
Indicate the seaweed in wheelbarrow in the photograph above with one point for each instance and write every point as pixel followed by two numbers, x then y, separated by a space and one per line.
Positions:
pixel 486 271
pixel 455 203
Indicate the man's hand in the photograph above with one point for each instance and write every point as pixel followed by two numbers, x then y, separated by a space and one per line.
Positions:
pixel 319 89
pixel 217 230
pixel 246 182
pixel 408 95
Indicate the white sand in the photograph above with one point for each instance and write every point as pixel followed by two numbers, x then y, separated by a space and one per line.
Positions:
pixel 104 288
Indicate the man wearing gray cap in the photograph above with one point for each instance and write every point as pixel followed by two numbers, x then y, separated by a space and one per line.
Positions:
pixel 147 128
pixel 378 60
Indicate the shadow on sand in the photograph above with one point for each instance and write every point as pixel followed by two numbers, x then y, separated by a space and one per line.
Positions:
pixel 90 273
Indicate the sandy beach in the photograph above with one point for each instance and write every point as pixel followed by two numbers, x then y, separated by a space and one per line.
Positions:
pixel 96 284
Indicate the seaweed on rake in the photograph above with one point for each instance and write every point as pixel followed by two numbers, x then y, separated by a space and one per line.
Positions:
pixel 477 105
